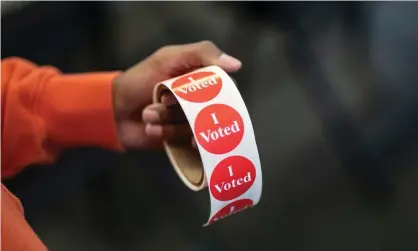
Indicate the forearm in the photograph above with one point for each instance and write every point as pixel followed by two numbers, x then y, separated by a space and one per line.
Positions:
pixel 44 112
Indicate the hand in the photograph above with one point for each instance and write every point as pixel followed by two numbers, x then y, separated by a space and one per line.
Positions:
pixel 140 123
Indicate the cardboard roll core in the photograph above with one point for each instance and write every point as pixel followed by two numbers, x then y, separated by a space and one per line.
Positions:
pixel 185 159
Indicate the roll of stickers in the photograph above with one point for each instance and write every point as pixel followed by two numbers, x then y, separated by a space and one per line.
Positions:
pixel 227 159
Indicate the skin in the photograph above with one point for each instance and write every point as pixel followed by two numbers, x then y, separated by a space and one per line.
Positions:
pixel 144 125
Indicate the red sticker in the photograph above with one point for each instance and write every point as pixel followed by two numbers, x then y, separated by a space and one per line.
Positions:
pixel 219 128
pixel 230 209
pixel 232 177
pixel 198 87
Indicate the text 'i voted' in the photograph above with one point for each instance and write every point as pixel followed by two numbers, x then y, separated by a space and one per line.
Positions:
pixel 219 128
pixel 232 177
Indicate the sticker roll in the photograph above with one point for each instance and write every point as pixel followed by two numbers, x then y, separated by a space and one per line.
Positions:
pixel 227 159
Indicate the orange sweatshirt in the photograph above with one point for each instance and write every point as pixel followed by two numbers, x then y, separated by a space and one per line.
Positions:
pixel 42 113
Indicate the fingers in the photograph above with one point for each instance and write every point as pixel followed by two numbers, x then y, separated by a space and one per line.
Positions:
pixel 163 120
pixel 160 114
pixel 166 120
pixel 168 99
pixel 134 136
pixel 175 133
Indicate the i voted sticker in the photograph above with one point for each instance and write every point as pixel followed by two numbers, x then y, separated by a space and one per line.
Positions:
pixel 198 87
pixel 231 208
pixel 219 128
pixel 232 177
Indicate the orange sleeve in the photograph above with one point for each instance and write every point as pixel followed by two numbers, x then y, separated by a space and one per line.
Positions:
pixel 44 111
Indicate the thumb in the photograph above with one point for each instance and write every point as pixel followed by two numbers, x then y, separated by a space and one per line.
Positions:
pixel 182 58
pixel 228 63
pixel 207 53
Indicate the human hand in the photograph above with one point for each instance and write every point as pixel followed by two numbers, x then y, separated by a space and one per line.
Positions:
pixel 140 123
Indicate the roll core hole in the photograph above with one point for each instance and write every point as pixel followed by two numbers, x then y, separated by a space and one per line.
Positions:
pixel 184 157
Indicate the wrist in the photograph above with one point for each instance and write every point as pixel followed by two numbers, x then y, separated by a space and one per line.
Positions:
pixel 116 99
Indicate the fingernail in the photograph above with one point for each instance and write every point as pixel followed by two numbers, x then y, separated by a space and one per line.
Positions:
pixel 169 99
pixel 230 62
pixel 150 116
pixel 194 144
pixel 154 130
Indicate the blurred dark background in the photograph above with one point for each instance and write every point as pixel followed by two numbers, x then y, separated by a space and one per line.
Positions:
pixel 332 92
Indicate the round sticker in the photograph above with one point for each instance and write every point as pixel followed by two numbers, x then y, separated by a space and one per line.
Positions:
pixel 198 87
pixel 230 209
pixel 219 128
pixel 231 178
